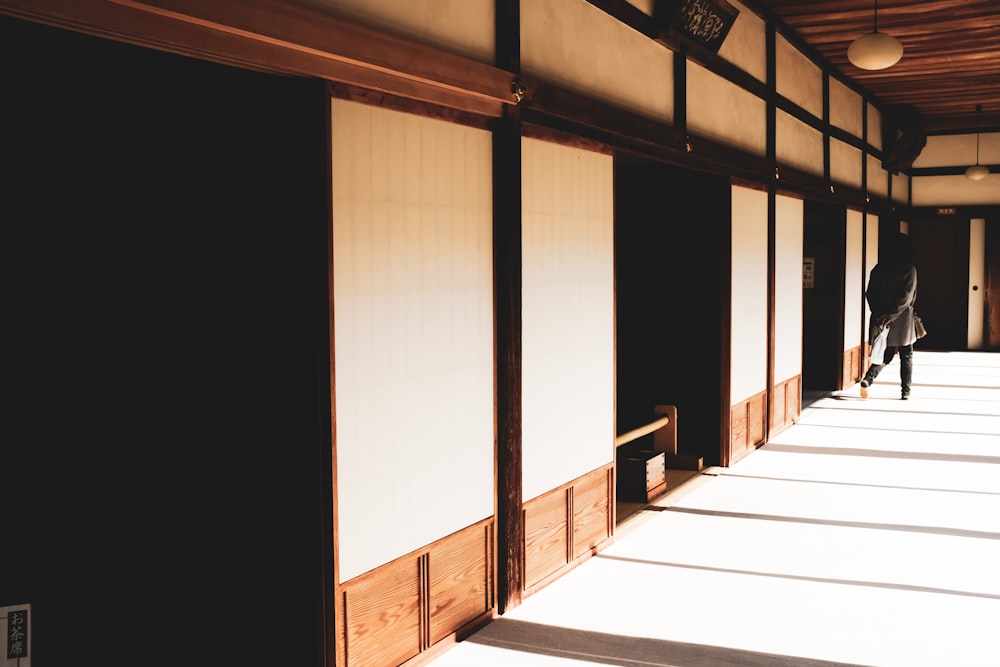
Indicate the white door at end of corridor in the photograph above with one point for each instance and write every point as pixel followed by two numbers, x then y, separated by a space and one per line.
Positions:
pixel 977 282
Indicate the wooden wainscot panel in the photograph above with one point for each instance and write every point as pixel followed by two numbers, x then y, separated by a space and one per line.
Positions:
pixel 397 611
pixel 852 367
pixel 747 423
pixel 546 547
pixel 778 415
pixel 566 525
pixel 382 614
pixel 738 431
pixel 461 580
pixel 787 402
pixel 793 399
pixel 756 410
pixel 591 512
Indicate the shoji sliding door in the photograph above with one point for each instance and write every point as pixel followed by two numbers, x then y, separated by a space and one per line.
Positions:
pixel 855 282
pixel 413 358
pixel 786 399
pixel 749 322
pixel 568 342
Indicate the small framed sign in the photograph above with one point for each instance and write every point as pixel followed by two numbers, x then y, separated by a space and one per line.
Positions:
pixel 16 634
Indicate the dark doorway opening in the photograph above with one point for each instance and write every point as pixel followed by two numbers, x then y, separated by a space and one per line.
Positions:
pixel 672 278
pixel 823 250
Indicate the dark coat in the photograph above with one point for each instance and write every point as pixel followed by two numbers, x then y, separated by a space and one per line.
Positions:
pixel 892 292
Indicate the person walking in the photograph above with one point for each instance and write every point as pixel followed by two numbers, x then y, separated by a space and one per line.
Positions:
pixel 891 295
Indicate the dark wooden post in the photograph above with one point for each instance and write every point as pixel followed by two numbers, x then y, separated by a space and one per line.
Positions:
pixel 507 304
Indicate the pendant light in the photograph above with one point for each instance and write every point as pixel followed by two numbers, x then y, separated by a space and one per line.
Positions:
pixel 876 50
pixel 977 172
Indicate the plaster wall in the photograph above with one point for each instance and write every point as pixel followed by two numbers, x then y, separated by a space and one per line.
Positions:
pixel 465 27
pixel 797 144
pixel 959 150
pixel 846 109
pixel 955 190
pixel 797 77
pixel 874 130
pixel 845 163
pixel 575 45
pixel 745 46
pixel 900 188
pixel 724 112
pixel 878 178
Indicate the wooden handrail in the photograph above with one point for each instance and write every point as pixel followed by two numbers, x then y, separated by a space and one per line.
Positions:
pixel 664 439
pixel 637 433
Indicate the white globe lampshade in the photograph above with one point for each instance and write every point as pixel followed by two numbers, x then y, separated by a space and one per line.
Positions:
pixel 876 50
pixel 977 172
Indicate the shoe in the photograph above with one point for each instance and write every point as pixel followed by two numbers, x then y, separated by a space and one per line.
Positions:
pixel 864 389
pixel 905 396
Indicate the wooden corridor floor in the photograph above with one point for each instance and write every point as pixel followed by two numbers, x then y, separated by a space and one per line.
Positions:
pixel 866 534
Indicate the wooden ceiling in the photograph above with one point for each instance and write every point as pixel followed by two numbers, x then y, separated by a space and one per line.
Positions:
pixel 951 52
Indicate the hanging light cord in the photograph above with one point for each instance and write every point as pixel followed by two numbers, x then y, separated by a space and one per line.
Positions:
pixel 876 16
pixel 979 109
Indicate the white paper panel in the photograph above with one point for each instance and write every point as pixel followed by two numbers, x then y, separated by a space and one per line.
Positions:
pixel 787 288
pixel 797 77
pixel 465 27
pixel 724 112
pixel 854 280
pixel 568 314
pixel 413 312
pixel 748 351
pixel 745 45
pixel 573 44
pixel 797 144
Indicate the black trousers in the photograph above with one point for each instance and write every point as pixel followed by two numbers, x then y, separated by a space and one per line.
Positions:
pixel 905 367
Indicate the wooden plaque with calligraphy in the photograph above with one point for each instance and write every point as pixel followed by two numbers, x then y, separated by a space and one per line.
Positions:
pixel 703 22
pixel 17 634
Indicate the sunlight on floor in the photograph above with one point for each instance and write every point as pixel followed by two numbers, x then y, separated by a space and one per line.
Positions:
pixel 868 533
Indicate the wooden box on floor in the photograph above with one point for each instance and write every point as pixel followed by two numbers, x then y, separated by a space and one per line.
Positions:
pixel 641 475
